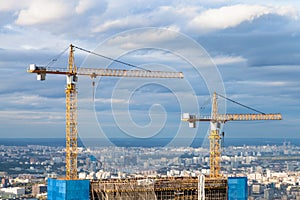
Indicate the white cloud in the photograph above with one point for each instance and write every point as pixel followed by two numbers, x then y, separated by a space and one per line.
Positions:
pixel 43 11
pixel 140 37
pixel 225 60
pixel 35 102
pixel 16 37
pixel 166 16
pixel 265 83
pixel 232 16
pixel 31 117
pixel 290 11
pixel 85 5
pixel 110 100
pixel 13 5
pixel 118 24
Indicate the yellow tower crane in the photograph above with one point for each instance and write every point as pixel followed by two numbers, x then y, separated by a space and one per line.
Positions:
pixel 71 96
pixel 216 120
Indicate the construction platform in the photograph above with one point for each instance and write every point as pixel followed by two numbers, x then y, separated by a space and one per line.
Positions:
pixel 158 189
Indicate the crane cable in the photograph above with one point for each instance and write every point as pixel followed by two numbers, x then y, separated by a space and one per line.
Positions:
pixel 115 60
pixel 56 58
pixel 206 102
pixel 241 104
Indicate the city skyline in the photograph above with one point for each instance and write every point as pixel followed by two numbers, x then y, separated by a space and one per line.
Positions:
pixel 272 170
pixel 254 46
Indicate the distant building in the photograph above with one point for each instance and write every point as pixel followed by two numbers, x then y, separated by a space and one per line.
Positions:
pixel 4 182
pixel 18 191
pixel 130 160
pixel 268 194
pixel 82 175
pixel 290 167
pixel 256 189
pixel 38 189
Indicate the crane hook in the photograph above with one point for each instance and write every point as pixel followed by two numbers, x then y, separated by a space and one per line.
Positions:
pixel 93 76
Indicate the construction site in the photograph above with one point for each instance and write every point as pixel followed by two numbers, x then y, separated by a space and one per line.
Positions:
pixel 212 186
pixel 159 188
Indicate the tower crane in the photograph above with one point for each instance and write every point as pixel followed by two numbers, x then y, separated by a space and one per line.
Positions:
pixel 216 120
pixel 72 74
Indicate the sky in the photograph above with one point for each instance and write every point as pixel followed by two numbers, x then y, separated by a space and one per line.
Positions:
pixel 246 50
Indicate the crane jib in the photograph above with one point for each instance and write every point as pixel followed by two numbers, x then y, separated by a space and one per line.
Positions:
pixel 94 72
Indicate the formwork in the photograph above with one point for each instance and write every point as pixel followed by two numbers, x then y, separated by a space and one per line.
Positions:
pixel 157 189
pixel 68 189
pixel 216 188
pixel 122 189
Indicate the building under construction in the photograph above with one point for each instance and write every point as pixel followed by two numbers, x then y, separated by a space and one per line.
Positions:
pixel 194 188
pixel 214 187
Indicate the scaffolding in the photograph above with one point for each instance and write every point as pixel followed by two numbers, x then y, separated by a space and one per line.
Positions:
pixel 170 188
pixel 123 189
pixel 216 188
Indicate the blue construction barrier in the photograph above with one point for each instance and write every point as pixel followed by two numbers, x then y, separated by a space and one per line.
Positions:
pixel 237 188
pixel 68 189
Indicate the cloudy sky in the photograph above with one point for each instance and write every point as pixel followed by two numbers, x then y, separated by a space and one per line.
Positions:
pixel 249 51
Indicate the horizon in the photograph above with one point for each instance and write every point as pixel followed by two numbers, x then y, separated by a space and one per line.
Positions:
pixel 151 138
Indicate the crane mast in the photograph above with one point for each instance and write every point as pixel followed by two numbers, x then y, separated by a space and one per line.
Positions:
pixel 214 138
pixel 71 98
pixel 216 120
pixel 71 119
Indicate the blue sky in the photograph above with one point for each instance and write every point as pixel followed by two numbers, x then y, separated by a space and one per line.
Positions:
pixel 254 48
